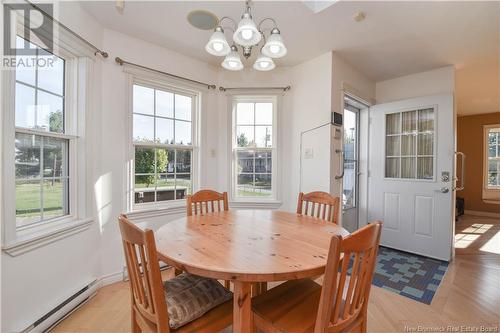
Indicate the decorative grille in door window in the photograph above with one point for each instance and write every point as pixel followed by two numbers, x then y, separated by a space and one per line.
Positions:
pixel 409 147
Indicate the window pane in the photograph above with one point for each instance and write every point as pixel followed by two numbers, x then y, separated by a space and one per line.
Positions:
pixel 182 132
pixel 492 144
pixel 144 188
pixel 263 185
pixel 392 167
pixel 425 168
pixel 25 106
pixel 408 167
pixel 27 156
pixel 408 145
pixel 409 121
pixel 493 179
pixel 28 202
pixel 55 198
pixel 264 113
pixel 164 104
pixel 349 134
pixel 349 185
pixel 245 162
pixel 164 130
pixel 392 148
pixel 183 107
pixel 183 186
pixel 245 185
pixel 425 144
pixel 55 157
pixel 263 136
pixel 51 78
pixel 245 114
pixel 426 120
pixel 183 162
pixel 494 166
pixel 50 112
pixel 143 100
pixel 143 128
pixel 263 162
pixel 145 161
pixel 24 73
pixel 245 136
pixel 165 187
pixel 169 167
pixel 392 123
pixel 163 158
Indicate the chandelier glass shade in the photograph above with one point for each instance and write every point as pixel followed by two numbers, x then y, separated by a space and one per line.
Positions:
pixel 248 35
pixel 217 44
pixel 232 61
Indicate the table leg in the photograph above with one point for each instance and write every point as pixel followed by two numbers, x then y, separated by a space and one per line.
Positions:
pixel 242 307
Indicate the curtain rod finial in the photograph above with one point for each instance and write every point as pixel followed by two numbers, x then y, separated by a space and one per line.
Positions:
pixel 287 88
pixel 222 89
pixel 119 61
pixel 211 86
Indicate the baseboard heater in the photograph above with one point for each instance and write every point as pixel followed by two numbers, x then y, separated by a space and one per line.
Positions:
pixel 71 304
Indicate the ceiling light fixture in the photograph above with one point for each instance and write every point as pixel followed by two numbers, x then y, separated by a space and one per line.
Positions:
pixel 247 35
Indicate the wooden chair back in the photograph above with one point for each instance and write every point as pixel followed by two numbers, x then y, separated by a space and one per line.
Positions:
pixel 206 201
pixel 319 204
pixel 149 308
pixel 344 300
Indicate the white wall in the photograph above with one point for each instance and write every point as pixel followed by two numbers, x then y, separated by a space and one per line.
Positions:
pixel 311 104
pixel 34 282
pixel 433 82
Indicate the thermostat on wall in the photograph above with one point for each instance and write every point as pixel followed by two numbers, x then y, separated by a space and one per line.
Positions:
pixel 336 119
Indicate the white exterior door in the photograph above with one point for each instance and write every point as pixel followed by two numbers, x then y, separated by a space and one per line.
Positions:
pixel 411 169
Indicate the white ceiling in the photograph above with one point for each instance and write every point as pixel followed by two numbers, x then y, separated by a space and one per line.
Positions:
pixel 395 39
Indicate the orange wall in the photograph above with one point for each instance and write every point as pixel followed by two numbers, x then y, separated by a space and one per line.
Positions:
pixel 470 142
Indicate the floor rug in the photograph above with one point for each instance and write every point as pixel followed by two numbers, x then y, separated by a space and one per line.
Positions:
pixel 409 275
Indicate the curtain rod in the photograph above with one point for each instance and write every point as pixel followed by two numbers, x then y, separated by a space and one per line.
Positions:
pixel 97 50
pixel 256 88
pixel 122 62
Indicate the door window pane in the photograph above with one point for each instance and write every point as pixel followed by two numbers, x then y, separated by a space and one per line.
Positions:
pixel 410 154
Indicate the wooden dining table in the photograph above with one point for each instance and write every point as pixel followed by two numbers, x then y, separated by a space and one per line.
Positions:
pixel 249 248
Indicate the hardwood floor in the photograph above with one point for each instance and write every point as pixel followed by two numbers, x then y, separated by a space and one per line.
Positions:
pixel 469 294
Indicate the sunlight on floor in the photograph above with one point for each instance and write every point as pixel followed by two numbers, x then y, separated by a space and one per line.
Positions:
pixel 493 245
pixel 478 228
pixel 462 241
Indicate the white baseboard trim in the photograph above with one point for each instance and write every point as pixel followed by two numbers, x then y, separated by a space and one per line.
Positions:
pixel 478 213
pixel 110 279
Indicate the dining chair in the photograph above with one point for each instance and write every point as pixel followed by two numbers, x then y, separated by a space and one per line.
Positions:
pixel 340 305
pixel 206 201
pixel 186 303
pixel 319 204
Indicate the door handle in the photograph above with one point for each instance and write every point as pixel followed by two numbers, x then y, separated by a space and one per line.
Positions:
pixel 444 190
pixel 341 152
pixel 462 178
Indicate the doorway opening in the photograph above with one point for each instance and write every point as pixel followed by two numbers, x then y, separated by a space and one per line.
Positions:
pixel 351 149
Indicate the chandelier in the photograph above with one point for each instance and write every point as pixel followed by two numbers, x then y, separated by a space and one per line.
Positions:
pixel 246 35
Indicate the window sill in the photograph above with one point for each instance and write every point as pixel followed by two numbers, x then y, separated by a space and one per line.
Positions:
pixel 35 239
pixel 257 204
pixel 153 211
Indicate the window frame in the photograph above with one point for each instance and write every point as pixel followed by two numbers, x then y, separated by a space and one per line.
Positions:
pixel 486 187
pixel 233 148
pixel 173 86
pixel 435 145
pixel 77 97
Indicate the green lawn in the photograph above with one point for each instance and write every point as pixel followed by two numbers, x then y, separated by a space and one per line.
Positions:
pixel 28 201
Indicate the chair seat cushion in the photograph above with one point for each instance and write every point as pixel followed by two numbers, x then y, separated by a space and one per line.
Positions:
pixel 190 297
